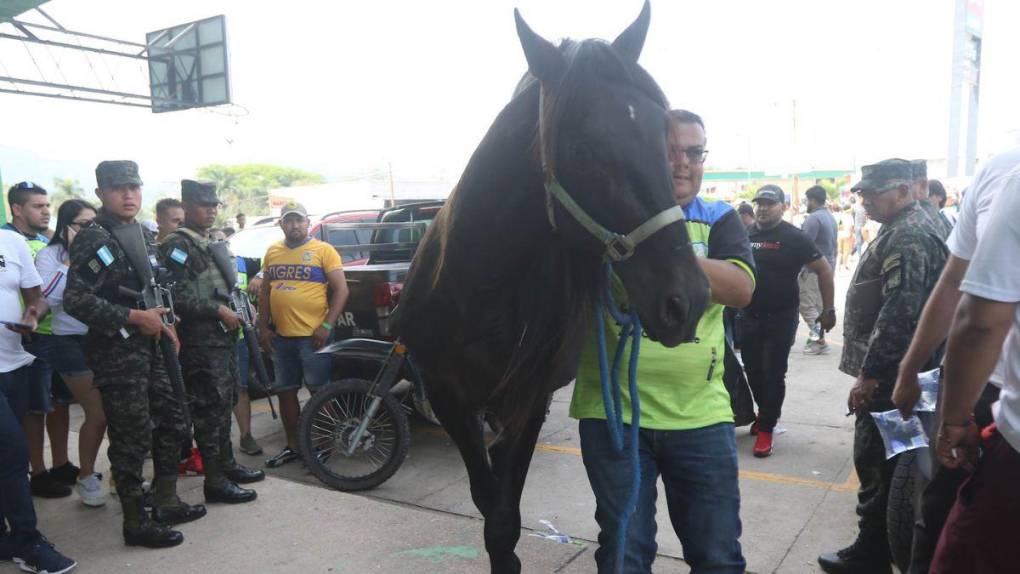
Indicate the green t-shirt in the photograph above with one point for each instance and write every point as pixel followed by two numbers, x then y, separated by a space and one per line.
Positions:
pixel 679 388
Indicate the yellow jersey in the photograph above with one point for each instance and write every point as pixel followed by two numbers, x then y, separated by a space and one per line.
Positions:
pixel 298 298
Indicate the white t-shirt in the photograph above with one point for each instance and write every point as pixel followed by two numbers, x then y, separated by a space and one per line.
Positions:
pixel 53 270
pixel 975 215
pixel 17 272
pixel 994 274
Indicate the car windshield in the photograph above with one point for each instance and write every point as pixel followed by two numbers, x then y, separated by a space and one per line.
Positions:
pixel 254 241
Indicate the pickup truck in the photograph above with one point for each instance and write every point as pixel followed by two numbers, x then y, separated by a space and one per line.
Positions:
pixel 375 286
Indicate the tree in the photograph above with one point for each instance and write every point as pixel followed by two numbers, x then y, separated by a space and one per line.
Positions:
pixel 66 188
pixel 245 188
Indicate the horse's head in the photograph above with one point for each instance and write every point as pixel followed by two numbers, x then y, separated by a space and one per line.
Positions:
pixel 603 135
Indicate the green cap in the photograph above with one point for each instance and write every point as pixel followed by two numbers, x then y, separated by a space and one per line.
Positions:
pixel 113 173
pixel 885 174
pixel 202 192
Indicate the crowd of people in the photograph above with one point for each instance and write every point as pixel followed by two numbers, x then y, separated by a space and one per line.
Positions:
pixel 79 327
pixel 75 333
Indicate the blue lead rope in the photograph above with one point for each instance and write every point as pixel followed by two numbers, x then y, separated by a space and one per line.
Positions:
pixel 613 401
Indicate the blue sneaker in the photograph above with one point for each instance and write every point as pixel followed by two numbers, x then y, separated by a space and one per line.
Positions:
pixel 42 558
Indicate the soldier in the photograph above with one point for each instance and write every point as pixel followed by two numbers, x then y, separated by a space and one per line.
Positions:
pixel 919 168
pixel 121 349
pixel 889 289
pixel 208 332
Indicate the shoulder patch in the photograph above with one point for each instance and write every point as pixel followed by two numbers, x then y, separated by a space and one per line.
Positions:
pixel 179 255
pixel 105 255
pixel 95 266
pixel 891 262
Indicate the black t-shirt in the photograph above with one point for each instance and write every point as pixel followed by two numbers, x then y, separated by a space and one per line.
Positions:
pixel 779 255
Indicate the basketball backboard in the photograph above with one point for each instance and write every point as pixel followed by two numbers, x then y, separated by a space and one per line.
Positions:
pixel 188 65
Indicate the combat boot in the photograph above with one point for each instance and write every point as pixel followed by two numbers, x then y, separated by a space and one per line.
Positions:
pixel 859 558
pixel 241 474
pixel 168 508
pixel 228 492
pixel 140 531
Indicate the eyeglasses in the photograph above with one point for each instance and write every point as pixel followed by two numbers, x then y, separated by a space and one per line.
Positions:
pixel 695 155
pixel 21 186
pixel 77 225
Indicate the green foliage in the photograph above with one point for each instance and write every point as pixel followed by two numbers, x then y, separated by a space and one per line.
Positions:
pixel 245 188
pixel 66 188
pixel 831 189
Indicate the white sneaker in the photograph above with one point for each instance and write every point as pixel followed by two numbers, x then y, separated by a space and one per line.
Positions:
pixel 816 348
pixel 90 490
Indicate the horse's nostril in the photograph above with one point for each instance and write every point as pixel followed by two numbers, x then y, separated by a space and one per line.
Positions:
pixel 676 310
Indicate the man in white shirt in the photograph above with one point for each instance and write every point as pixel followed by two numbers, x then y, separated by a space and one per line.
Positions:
pixel 18 278
pixel 940 493
pixel 980 533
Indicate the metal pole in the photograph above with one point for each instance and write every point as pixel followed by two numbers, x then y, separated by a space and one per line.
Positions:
pixel 78 98
pixel 72 46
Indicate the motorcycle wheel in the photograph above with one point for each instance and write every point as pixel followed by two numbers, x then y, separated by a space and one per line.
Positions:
pixel 327 425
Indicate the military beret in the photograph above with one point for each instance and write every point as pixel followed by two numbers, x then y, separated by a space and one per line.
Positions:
pixel 113 173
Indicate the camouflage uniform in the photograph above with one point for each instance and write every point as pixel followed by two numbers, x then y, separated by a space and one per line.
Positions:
pixel 890 287
pixel 208 351
pixel 141 408
pixel 919 169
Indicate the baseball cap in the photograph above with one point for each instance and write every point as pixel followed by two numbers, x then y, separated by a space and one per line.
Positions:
pixel 770 193
pixel 293 207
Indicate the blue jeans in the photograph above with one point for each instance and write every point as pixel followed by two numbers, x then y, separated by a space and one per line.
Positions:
pixel 294 361
pixel 15 494
pixel 699 472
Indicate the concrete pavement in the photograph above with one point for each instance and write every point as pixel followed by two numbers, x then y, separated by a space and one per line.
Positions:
pixel 796 504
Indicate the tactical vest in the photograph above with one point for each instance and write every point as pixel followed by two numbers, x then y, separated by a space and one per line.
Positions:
pixel 208 279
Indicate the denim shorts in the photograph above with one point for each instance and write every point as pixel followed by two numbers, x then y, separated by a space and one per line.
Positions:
pixel 295 361
pixel 67 355
pixel 40 374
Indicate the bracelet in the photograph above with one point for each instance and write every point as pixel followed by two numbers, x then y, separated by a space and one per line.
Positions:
pixel 829 310
pixel 327 325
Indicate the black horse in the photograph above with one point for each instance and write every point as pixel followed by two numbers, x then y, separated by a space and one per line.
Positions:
pixel 502 291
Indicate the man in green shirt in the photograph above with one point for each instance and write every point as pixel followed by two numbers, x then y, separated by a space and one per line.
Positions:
pixel 686 430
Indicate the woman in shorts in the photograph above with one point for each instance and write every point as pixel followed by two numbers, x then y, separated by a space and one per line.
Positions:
pixel 67 354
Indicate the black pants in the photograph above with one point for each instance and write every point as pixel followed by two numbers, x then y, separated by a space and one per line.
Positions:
pixel 940 494
pixel 765 349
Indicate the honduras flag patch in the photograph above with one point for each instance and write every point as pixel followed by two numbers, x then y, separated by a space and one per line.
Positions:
pixel 105 256
pixel 179 255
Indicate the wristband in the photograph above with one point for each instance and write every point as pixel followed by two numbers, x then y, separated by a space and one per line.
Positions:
pixel 327 325
pixel 829 310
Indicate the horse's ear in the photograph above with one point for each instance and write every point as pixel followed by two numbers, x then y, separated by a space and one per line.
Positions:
pixel 545 61
pixel 631 40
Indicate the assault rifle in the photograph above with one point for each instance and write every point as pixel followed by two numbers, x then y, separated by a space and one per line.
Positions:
pixel 155 294
pixel 239 303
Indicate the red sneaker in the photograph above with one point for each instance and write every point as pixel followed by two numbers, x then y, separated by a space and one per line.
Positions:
pixel 193 465
pixel 763 446
pixel 754 425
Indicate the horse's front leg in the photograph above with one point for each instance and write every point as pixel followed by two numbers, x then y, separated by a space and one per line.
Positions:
pixel 510 460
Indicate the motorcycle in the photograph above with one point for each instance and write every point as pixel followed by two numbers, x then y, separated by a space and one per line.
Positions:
pixel 354 434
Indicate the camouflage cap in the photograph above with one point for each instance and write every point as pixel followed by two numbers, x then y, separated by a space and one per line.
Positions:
pixel 203 192
pixel 293 207
pixel 112 173
pixel 885 174
pixel 919 167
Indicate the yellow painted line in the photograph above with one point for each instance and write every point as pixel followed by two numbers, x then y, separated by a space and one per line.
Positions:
pixel 850 485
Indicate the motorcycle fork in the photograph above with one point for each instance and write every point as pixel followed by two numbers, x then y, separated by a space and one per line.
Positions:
pixel 384 381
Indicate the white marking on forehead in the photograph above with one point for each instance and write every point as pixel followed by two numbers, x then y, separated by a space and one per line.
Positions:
pixel 630 108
